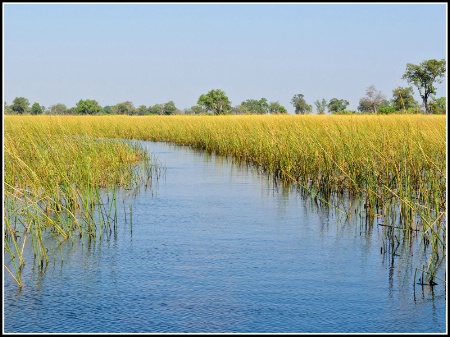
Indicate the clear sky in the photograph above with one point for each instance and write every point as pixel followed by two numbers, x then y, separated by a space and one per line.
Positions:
pixel 151 53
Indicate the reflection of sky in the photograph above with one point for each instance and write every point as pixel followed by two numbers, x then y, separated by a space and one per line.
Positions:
pixel 218 249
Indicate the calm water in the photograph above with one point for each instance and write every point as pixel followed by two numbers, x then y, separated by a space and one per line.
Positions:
pixel 219 248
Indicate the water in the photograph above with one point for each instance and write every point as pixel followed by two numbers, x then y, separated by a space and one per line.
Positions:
pixel 220 248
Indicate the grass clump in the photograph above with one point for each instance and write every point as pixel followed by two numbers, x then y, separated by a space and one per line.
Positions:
pixel 55 182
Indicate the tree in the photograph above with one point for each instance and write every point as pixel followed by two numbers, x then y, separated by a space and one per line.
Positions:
pixel 107 109
pixel 57 109
pixel 215 101
pixel 403 99
pixel 142 110
pixel 336 105
pixel 254 106
pixel 37 109
pixel 321 106
pixel 300 105
pixel 7 109
pixel 87 107
pixel 276 108
pixel 170 108
pixel 20 105
pixel 157 109
pixel 423 77
pixel 72 111
pixel 438 106
pixel 124 108
pixel 240 110
pixel 386 109
pixel 373 100
pixel 195 110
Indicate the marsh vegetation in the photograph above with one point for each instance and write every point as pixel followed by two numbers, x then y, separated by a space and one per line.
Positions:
pixel 392 167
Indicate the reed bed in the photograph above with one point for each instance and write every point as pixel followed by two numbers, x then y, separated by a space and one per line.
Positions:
pixel 395 165
pixel 62 184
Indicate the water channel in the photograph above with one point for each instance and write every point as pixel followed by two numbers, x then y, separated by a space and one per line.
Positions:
pixel 221 248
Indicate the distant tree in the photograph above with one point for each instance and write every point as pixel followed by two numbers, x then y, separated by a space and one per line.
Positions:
pixel 373 100
pixel 240 110
pixel 157 109
pixel 87 107
pixel 438 106
pixel 170 108
pixel 386 109
pixel 37 109
pixel 321 106
pixel 20 105
pixel 255 106
pixel 72 111
pixel 107 110
pixel 403 99
pixel 142 110
pixel 7 109
pixel 195 110
pixel 124 108
pixel 300 105
pixel 57 109
pixel 215 102
pixel 336 105
pixel 277 108
pixel 423 77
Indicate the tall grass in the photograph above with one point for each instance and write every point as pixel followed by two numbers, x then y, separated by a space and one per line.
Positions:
pixel 395 164
pixel 63 184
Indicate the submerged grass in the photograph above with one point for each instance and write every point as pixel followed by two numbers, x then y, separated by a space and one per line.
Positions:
pixel 395 164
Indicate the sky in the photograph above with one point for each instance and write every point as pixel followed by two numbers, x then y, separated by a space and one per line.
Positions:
pixel 153 53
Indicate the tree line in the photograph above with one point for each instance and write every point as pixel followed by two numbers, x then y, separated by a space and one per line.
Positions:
pixel 216 102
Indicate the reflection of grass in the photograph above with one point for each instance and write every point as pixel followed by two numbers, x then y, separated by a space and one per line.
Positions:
pixel 395 163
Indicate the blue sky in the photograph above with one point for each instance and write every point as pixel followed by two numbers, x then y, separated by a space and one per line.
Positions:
pixel 150 53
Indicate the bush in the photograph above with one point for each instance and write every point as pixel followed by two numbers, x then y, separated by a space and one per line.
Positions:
pixel 386 110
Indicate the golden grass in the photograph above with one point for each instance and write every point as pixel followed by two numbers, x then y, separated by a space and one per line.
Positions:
pixel 53 182
pixel 395 163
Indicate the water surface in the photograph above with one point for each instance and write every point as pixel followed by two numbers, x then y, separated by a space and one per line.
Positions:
pixel 221 248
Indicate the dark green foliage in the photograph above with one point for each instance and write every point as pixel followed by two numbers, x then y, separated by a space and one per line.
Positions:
pixel 20 105
pixel 88 107
pixel 386 109
pixel 300 105
pixel 403 99
pixel 277 108
pixel 215 102
pixel 254 106
pixel 37 109
pixel 170 108
pixel 423 77
pixel 336 105
pixel 438 106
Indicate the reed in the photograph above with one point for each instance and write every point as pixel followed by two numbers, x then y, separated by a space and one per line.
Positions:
pixel 394 164
pixel 55 182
